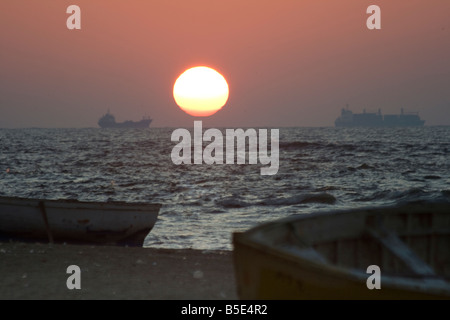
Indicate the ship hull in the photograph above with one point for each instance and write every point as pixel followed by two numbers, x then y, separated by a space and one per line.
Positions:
pixel 127 124
pixel 350 120
pixel 378 125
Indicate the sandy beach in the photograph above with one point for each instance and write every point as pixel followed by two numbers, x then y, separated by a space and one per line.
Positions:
pixel 39 271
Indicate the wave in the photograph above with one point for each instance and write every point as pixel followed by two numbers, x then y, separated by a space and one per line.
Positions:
pixel 323 197
pixel 294 145
pixel 232 202
pixel 363 166
pixel 432 177
pixel 409 195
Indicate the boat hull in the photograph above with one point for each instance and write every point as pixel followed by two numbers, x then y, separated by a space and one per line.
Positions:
pixel 330 256
pixel 77 222
pixel 349 119
pixel 127 124
pixel 342 124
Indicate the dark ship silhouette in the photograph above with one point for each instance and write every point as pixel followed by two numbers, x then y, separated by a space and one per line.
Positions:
pixel 372 119
pixel 108 121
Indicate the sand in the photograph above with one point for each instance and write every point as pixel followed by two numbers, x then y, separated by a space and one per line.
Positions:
pixel 39 271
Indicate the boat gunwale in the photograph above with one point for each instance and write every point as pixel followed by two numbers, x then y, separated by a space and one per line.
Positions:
pixel 77 204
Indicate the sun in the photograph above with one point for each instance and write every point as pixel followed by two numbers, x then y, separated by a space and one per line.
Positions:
pixel 200 91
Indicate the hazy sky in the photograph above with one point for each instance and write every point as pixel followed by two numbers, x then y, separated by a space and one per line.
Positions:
pixel 287 62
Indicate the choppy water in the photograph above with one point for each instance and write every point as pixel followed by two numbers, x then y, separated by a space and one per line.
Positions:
pixel 320 169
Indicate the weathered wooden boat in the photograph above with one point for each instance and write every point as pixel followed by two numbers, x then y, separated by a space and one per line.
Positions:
pixel 327 255
pixel 72 221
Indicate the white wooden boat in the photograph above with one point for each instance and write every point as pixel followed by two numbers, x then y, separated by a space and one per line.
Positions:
pixel 326 255
pixel 73 221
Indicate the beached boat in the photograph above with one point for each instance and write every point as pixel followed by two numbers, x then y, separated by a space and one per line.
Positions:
pixel 73 221
pixel 327 255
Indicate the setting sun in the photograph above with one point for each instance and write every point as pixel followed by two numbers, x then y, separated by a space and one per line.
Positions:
pixel 200 91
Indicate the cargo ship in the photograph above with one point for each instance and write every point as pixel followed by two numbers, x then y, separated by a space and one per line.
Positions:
pixel 376 119
pixel 109 121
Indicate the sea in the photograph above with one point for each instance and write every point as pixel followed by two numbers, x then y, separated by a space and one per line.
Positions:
pixel 320 169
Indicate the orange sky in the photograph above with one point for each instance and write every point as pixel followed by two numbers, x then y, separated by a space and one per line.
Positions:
pixel 287 63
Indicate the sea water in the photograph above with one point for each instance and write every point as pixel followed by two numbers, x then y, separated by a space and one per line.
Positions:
pixel 320 169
